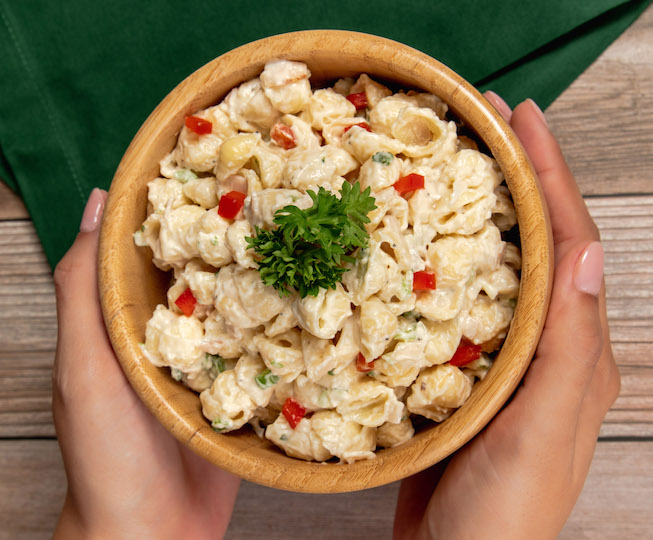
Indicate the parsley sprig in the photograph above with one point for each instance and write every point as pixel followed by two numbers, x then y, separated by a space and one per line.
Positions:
pixel 307 250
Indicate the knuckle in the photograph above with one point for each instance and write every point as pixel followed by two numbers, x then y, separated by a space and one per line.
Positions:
pixel 65 272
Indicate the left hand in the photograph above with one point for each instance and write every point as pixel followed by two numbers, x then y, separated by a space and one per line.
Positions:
pixel 127 476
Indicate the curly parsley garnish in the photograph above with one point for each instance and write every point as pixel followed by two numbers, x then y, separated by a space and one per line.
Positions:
pixel 306 252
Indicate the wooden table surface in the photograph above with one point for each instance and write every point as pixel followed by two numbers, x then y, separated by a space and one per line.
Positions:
pixel 604 122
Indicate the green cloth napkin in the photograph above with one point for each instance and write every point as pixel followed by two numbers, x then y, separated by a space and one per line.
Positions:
pixel 78 78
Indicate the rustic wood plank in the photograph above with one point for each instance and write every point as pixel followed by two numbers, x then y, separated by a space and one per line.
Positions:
pixel 32 488
pixel 603 120
pixel 615 503
pixel 11 206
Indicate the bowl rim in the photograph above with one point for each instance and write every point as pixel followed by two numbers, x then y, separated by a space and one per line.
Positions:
pixel 245 457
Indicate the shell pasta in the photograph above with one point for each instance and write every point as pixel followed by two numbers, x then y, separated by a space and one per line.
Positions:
pixel 420 305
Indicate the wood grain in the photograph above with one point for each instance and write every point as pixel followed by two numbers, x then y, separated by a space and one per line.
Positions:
pixel 614 505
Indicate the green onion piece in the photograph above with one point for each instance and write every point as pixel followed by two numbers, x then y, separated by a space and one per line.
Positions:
pixel 331 372
pixel 214 364
pixel 221 425
pixel 276 364
pixel 265 379
pixel 177 374
pixel 384 158
pixel 283 437
pixel 184 175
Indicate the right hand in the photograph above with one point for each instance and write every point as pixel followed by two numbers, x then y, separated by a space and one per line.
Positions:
pixel 521 476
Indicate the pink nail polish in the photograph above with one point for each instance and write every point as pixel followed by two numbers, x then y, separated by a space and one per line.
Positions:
pixel 538 111
pixel 499 104
pixel 92 211
pixel 588 274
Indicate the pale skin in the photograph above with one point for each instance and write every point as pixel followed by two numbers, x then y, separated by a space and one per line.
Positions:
pixel 520 478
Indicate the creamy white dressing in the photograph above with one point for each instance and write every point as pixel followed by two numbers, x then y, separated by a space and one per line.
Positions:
pixel 361 358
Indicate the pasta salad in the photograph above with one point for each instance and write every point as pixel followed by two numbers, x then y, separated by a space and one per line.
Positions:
pixel 339 270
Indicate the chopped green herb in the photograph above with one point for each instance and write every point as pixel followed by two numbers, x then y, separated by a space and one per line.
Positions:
pixel 371 373
pixel 307 251
pixel 384 158
pixel 215 240
pixel 221 425
pixel 184 175
pixel 283 437
pixel 406 333
pixel 177 374
pixel 265 379
pixel 407 284
pixel 276 364
pixel 331 372
pixel 323 400
pixel 214 364
pixel 142 228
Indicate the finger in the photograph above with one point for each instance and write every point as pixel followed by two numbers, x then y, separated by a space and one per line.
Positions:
pixel 602 392
pixel 75 276
pixel 501 106
pixel 570 220
pixel 78 304
pixel 572 341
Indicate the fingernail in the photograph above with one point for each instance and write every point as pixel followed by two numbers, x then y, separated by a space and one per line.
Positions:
pixel 92 211
pixel 538 111
pixel 497 101
pixel 588 274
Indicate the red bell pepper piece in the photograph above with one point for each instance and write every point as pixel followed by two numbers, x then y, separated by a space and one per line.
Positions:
pixel 409 183
pixel 423 281
pixel 198 125
pixel 230 204
pixel 363 365
pixel 466 353
pixel 283 136
pixel 293 412
pixel 186 302
pixel 363 125
pixel 358 100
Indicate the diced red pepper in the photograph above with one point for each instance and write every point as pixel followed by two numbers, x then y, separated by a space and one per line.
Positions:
pixel 423 281
pixel 363 365
pixel 363 125
pixel 186 302
pixel 293 412
pixel 199 125
pixel 409 183
pixel 466 353
pixel 359 100
pixel 283 136
pixel 230 204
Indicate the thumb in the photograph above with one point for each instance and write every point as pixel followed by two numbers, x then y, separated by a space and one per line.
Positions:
pixel 78 302
pixel 75 276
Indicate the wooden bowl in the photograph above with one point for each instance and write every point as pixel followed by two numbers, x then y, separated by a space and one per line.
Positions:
pixel 131 287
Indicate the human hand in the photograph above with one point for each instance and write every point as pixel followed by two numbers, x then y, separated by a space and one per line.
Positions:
pixel 127 476
pixel 521 476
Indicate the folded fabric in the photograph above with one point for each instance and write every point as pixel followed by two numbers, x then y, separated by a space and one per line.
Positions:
pixel 78 78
